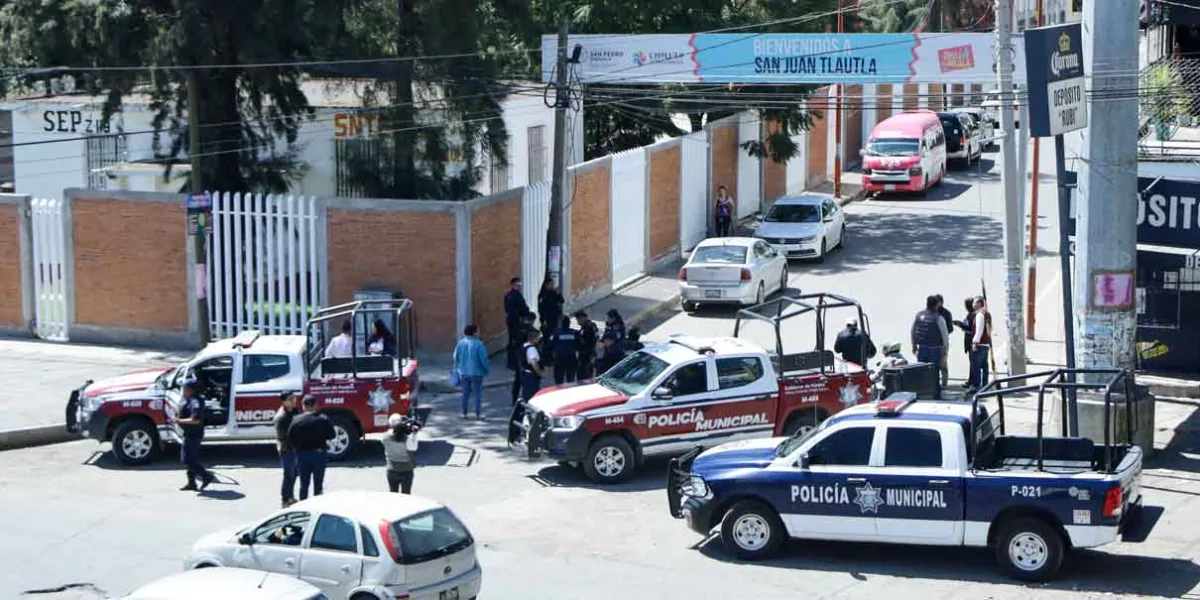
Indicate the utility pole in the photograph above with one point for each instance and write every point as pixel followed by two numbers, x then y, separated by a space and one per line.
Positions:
pixel 1106 224
pixel 1014 234
pixel 562 100
pixel 1031 290
pixel 199 238
pixel 837 120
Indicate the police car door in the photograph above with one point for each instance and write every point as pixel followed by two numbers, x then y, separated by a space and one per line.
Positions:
pixel 920 484
pixel 262 378
pixel 677 408
pixel 836 496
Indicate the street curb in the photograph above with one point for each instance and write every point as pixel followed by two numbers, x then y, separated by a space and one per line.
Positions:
pixel 855 197
pixel 1170 389
pixel 26 437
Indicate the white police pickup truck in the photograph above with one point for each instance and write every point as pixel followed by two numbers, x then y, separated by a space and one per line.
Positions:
pixel 901 471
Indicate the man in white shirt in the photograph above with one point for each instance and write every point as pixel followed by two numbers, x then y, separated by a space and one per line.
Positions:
pixel 341 346
pixel 981 345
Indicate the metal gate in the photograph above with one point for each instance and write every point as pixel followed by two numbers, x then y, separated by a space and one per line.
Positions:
pixel 797 166
pixel 535 222
pixel 627 217
pixel 48 218
pixel 693 190
pixel 268 263
pixel 749 171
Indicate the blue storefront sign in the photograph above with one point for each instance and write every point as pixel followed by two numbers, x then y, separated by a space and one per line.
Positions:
pixel 1054 69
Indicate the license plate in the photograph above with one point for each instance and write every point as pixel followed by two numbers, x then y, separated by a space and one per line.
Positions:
pixel 450 594
pixel 891 187
pixel 712 293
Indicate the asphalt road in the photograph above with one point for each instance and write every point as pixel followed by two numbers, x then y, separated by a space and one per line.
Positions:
pixel 73 519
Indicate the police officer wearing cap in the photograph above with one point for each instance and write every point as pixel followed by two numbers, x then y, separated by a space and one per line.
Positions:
pixel 566 350
pixel 190 419
pixel 613 352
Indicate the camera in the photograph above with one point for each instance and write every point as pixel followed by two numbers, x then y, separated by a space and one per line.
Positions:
pixel 407 426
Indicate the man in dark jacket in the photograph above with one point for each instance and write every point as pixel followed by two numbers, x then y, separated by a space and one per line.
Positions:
pixel 308 434
pixel 190 419
pixel 589 336
pixel 287 453
pixel 550 307
pixel 633 340
pixel 949 319
pixel 854 345
pixel 613 352
pixel 514 308
pixel 566 352
pixel 929 336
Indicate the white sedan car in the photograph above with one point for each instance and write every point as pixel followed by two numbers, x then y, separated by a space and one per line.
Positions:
pixel 356 545
pixel 804 226
pixel 732 270
pixel 225 582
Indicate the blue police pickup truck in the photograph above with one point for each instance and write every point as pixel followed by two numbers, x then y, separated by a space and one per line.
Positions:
pixel 907 472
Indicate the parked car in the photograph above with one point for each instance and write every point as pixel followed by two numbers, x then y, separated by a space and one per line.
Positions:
pixel 962 144
pixel 805 226
pixel 732 270
pixel 227 582
pixel 983 123
pixel 243 377
pixel 905 153
pixel 991 105
pixel 356 544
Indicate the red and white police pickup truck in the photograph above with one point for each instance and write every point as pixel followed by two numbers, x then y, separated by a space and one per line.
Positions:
pixel 669 398
pixel 243 378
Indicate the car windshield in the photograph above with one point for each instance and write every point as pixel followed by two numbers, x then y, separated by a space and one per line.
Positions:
pixel 429 535
pixel 794 213
pixel 634 374
pixel 893 147
pixel 729 255
pixel 789 445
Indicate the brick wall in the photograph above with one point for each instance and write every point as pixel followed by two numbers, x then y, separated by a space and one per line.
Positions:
pixel 725 160
pixel 664 202
pixel 818 138
pixel 956 94
pixel 10 267
pixel 495 259
pixel 912 96
pixel 131 265
pixel 852 124
pixel 590 238
pixel 937 98
pixel 774 173
pixel 411 251
pixel 883 102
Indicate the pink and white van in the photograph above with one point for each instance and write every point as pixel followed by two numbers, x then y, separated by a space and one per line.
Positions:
pixel 905 153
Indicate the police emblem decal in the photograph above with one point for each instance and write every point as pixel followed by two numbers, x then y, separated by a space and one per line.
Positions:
pixel 850 395
pixel 868 498
pixel 379 399
pixel 640 418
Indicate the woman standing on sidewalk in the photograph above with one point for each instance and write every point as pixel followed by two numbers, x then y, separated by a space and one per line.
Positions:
pixel 471 363
pixel 723 212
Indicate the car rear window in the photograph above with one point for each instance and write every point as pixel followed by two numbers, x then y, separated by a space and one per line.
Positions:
pixel 429 535
pixel 730 255
pixel 794 213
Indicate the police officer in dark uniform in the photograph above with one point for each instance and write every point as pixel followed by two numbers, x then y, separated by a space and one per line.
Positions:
pixel 191 420
pixel 929 337
pixel 589 335
pixel 614 352
pixel 566 350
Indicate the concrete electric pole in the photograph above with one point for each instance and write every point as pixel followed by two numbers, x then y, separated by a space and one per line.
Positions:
pixel 1014 225
pixel 558 179
pixel 200 237
pixel 1107 207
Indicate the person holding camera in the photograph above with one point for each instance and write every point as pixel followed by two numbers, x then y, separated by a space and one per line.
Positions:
pixel 399 452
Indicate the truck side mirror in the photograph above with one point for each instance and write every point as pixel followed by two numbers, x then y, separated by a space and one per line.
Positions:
pixel 245 539
pixel 803 462
pixel 662 393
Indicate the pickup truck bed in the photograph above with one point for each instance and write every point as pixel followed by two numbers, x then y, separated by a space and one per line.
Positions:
pixel 1058 455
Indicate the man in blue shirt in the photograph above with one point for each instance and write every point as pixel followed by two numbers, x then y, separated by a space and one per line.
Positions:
pixel 190 419
pixel 471 361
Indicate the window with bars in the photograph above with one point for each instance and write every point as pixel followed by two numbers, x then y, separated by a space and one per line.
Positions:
pixel 498 174
pixel 1160 295
pixel 537 153
pixel 103 151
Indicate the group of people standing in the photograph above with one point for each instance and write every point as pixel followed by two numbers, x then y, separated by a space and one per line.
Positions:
pixel 931 331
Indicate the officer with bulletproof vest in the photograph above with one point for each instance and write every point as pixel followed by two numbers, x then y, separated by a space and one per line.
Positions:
pixel 566 349
pixel 929 337
pixel 589 336
pixel 614 352
pixel 190 419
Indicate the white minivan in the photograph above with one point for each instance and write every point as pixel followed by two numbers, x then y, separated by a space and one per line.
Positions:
pixel 356 544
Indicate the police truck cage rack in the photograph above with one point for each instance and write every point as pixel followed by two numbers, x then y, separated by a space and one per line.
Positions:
pixel 396 314
pixel 1066 453
pixel 776 311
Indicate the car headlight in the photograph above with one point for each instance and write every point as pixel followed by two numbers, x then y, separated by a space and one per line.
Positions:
pixel 698 488
pixel 571 422
pixel 805 240
pixel 89 404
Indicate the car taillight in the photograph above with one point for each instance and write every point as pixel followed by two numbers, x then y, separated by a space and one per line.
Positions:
pixel 1112 503
pixel 389 541
pixel 683 274
pixel 914 171
pixel 962 140
pixel 746 275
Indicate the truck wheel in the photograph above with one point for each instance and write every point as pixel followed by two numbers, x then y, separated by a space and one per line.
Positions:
pixel 803 421
pixel 687 307
pixel 752 530
pixel 610 459
pixel 1029 549
pixel 345 440
pixel 135 442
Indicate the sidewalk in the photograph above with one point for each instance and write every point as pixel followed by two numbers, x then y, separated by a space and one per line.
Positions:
pixel 1042 355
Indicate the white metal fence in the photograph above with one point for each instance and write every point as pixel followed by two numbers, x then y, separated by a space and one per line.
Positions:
pixel 535 222
pixel 749 171
pixel 627 215
pixel 267 263
pixel 693 190
pixel 50 287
